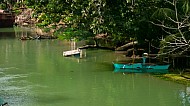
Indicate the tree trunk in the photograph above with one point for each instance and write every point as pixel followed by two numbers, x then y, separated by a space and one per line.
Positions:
pixel 127 45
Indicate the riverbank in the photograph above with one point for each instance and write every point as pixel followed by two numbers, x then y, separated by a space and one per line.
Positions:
pixel 175 77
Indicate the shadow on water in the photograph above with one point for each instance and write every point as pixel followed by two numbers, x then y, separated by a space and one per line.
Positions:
pixel 7 33
pixel 15 32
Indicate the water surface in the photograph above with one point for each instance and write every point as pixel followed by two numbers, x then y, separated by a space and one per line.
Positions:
pixel 34 73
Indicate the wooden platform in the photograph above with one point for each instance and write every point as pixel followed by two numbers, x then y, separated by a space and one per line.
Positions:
pixel 71 53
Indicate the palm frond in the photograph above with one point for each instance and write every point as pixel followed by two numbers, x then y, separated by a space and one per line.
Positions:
pixel 163 13
pixel 186 6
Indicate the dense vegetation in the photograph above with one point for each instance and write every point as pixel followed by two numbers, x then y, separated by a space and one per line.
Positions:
pixel 162 23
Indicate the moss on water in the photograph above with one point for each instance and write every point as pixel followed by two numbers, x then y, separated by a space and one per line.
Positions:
pixel 182 79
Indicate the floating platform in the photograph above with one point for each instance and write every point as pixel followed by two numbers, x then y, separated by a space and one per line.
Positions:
pixel 71 53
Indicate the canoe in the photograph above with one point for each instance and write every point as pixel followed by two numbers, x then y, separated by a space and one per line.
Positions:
pixel 127 65
pixel 156 66
pixel 141 66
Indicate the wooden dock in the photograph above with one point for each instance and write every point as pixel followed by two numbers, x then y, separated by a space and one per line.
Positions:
pixel 71 53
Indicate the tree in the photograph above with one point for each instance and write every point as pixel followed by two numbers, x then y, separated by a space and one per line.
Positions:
pixel 120 20
pixel 175 22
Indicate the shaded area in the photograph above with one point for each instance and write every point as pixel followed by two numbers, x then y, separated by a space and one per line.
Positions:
pixel 6 33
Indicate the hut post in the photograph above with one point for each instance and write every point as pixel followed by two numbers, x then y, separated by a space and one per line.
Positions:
pixel 168 59
pixel 173 61
pixel 80 53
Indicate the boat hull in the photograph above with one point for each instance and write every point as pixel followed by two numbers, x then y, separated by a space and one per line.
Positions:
pixel 156 67
pixel 140 66
pixel 127 66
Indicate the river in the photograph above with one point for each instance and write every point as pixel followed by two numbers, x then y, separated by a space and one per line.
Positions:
pixel 34 73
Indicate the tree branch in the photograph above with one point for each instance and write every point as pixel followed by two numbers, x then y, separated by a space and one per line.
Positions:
pixel 161 25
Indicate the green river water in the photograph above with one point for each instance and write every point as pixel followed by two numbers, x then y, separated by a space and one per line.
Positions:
pixel 34 73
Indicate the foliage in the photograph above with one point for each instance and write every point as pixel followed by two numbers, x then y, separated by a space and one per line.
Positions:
pixel 144 20
pixel 72 33
pixel 100 16
pixel 175 23
pixel 2 6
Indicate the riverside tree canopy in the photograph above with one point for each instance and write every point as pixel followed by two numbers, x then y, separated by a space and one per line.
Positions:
pixel 145 20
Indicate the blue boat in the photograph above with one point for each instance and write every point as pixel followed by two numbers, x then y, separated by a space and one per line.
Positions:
pixel 142 65
pixel 127 65
pixel 156 66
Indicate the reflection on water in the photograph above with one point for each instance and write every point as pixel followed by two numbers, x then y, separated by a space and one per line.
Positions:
pixel 140 71
pixel 128 70
pixel 15 32
pixel 184 95
pixel 7 33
